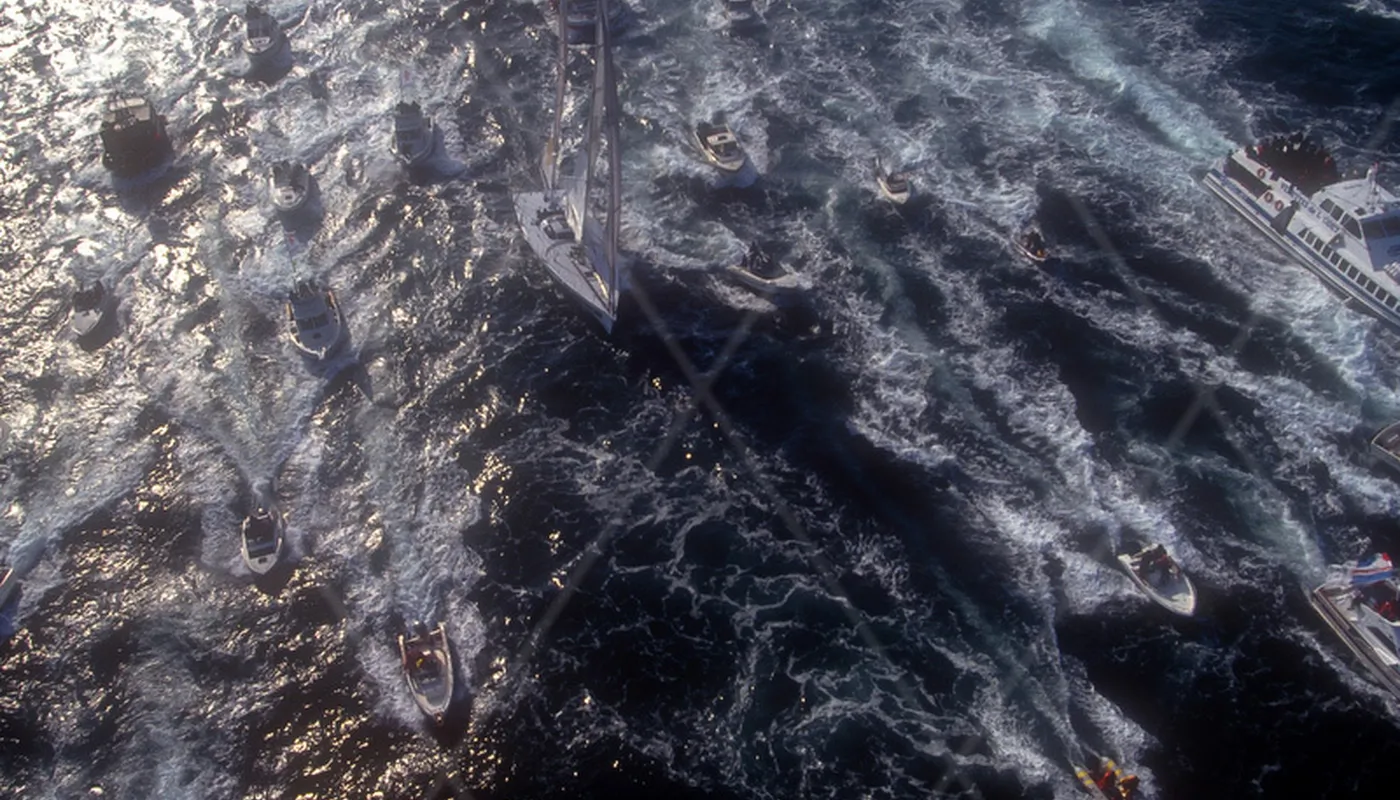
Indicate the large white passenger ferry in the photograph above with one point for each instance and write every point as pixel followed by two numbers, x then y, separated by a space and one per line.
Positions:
pixel 1346 231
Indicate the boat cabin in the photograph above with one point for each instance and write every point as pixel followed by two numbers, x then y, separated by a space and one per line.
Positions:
pixel 1378 616
pixel 723 144
pixel 90 297
pixel 408 128
pixel 1369 214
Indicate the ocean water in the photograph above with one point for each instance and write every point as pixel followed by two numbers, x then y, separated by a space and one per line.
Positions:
pixel 874 561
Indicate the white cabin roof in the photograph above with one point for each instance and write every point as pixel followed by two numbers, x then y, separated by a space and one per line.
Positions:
pixel 1362 197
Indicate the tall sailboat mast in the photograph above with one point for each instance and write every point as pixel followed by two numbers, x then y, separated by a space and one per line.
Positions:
pixel 551 148
pixel 613 109
pixel 578 203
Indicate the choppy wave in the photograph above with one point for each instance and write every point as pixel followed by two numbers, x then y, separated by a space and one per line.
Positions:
pixel 882 568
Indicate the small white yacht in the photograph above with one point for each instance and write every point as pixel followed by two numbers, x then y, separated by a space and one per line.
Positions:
pixel 92 302
pixel 575 236
pixel 720 146
pixel 1385 445
pixel 1347 232
pixel 427 667
pixel 1361 603
pixel 1158 575
pixel 763 274
pixel 314 320
pixel 264 41
pixel 134 139
pixel 289 183
pixel 263 531
pixel 894 186
pixel 415 136
pixel 8 582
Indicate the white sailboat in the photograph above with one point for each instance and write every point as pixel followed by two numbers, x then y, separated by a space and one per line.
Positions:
pixel 559 223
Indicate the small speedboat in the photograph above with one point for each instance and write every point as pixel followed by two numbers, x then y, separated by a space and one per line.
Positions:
pixel 314 319
pixel 1386 445
pixel 91 305
pixel 762 273
pixel 1107 781
pixel 427 666
pixel 133 135
pixel 265 41
pixel 894 186
pixel 263 531
pixel 1032 246
pixel 1360 602
pixel 415 135
pixel 720 146
pixel 290 186
pixel 1157 573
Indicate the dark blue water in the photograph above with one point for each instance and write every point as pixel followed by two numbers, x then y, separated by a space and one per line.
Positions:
pixel 877 563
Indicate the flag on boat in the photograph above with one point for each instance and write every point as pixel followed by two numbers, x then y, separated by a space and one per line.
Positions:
pixel 1377 569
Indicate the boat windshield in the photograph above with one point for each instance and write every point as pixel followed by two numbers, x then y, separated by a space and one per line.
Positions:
pixel 723 144
pixel 897 183
pixel 89 297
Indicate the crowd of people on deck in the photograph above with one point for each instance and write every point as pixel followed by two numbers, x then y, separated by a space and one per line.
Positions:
pixel 1301 161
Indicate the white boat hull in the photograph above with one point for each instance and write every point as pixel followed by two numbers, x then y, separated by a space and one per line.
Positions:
pixel 787 282
pixel 1331 603
pixel 1178 595
pixel 85 322
pixel 321 341
pixel 1290 242
pixel 579 269
pixel 1385 445
pixel 432 695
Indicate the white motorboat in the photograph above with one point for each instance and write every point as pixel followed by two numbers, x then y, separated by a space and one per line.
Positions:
pixel 263 531
pixel 134 139
pixel 314 320
pixel 415 136
pixel 264 42
pixel 720 146
pixel 289 183
pixel 427 667
pixel 1158 575
pixel 762 273
pixel 894 186
pixel 1347 232
pixel 1032 246
pixel 1360 601
pixel 561 223
pixel 92 302
pixel 1386 445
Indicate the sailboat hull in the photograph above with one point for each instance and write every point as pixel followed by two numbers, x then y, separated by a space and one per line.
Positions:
pixel 578 269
